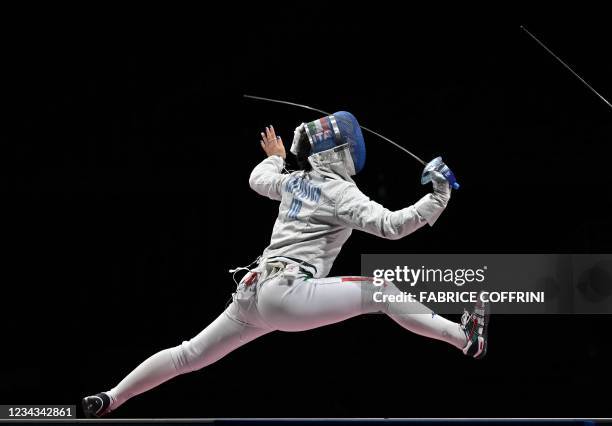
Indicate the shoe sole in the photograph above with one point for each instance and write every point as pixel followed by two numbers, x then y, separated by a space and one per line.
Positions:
pixel 485 332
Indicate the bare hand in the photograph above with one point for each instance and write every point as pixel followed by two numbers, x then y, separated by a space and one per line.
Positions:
pixel 272 144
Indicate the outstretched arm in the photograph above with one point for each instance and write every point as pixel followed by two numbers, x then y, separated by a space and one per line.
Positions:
pixel 266 178
pixel 359 212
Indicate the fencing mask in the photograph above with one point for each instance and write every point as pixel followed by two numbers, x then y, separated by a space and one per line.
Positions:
pixel 340 128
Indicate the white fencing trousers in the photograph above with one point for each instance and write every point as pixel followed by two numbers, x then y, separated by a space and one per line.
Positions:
pixel 277 303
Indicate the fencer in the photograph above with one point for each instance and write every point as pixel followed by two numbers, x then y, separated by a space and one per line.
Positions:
pixel 287 288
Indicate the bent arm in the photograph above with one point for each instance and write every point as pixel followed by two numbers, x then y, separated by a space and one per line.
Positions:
pixel 266 178
pixel 356 210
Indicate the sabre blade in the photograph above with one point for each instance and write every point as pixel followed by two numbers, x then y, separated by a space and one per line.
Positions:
pixel 260 98
pixel 394 144
pixel 565 65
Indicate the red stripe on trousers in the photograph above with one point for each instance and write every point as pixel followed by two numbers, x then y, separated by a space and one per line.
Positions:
pixel 357 279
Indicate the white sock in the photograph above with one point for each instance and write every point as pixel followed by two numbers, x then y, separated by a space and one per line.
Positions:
pixel 419 319
pixel 434 327
pixel 154 371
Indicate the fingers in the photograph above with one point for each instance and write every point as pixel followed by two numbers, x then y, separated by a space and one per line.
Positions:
pixel 270 133
pixel 266 136
pixel 269 139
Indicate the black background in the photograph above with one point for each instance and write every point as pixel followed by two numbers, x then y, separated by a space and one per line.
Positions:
pixel 126 201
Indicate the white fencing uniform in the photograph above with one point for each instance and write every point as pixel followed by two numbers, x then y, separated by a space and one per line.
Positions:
pixel 288 290
pixel 319 209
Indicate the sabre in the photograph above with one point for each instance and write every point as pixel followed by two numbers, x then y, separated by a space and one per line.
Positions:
pixel 259 98
pixel 565 65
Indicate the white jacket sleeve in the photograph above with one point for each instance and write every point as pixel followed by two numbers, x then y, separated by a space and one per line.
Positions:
pixel 266 178
pixel 356 210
